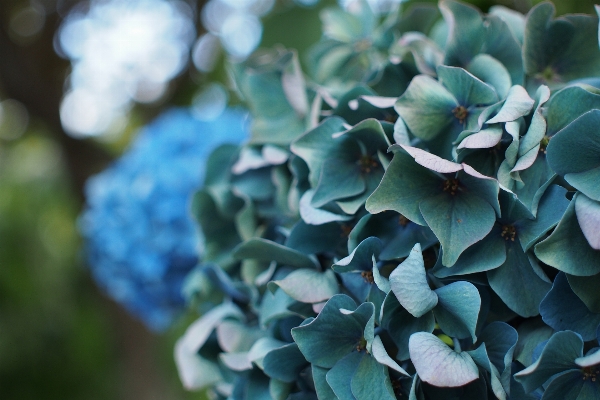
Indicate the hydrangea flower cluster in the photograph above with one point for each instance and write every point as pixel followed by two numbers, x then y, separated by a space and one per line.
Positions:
pixel 141 240
pixel 417 217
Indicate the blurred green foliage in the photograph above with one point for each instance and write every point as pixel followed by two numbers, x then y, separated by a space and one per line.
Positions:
pixel 51 320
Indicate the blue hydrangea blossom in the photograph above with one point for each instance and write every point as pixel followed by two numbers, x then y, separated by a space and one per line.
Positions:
pixel 141 240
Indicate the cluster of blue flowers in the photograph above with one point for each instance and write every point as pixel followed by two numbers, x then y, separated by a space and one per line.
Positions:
pixel 141 240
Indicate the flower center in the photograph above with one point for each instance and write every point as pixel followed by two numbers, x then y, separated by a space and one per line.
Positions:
pixel 548 74
pixel 346 229
pixel 368 276
pixel 590 373
pixel 451 186
pixel 362 45
pixel 402 220
pixel 362 344
pixel 397 387
pixel 391 118
pixel 461 113
pixel 509 233
pixel 367 164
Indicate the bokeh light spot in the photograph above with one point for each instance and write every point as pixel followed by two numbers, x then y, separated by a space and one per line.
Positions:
pixel 210 103
pixel 28 21
pixel 122 52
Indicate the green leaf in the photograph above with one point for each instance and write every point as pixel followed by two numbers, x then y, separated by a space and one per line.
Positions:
pixel 418 17
pixel 294 86
pixel 588 216
pixel 236 361
pixel 569 104
pixel 585 287
pixel 371 380
pixel 485 187
pixel 567 249
pixel 590 359
pixel 571 384
pixel 466 32
pixel 309 285
pixel 267 250
pixel 279 390
pixel 565 48
pixel 551 208
pixel 257 386
pixel 275 120
pixel 313 239
pixel 380 354
pixel 382 283
pixel 439 365
pixel 404 184
pixel 481 358
pixel 220 279
pixel 417 52
pixel 457 309
pixel 537 128
pixel 492 72
pixel 409 283
pixel 257 184
pixel 327 59
pixel 396 232
pixel 484 139
pixel 562 310
pixel 431 161
pixel 416 391
pixel 399 245
pixel 517 104
pixel 485 255
pixel 535 181
pixel 458 221
pixel 531 333
pixel 319 216
pixel 502 44
pixel 361 258
pixel 340 375
pixel 352 205
pixel 369 133
pixel 274 306
pixel 333 334
pixel 426 107
pixel 514 19
pixel 316 145
pixel 573 153
pixel 500 340
pixel 558 356
pixel 234 336
pixel 520 284
pixel 354 108
pixel 465 87
pixel 196 372
pixel 400 324
pixel 261 348
pixel 322 388
pixel 245 221
pixel 340 178
pixel 346 27
pixel 219 231
pixel 284 363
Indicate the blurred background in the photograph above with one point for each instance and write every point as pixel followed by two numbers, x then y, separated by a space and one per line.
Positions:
pixel 77 81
